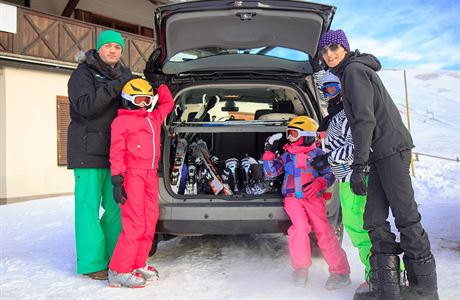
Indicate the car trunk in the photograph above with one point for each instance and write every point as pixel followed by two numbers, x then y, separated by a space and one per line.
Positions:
pixel 228 139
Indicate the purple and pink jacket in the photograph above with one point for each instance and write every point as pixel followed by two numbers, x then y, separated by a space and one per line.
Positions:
pixel 295 163
pixel 306 215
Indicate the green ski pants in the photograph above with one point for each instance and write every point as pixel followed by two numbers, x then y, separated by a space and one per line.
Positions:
pixel 95 238
pixel 353 221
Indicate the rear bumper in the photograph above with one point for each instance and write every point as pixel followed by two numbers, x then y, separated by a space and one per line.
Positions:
pixel 184 227
pixel 182 219
pixel 222 218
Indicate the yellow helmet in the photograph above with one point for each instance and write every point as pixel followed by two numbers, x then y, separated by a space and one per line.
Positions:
pixel 137 93
pixel 302 126
pixel 303 123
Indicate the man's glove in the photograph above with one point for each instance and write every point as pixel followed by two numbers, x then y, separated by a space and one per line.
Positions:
pixel 311 190
pixel 125 77
pixel 119 83
pixel 320 162
pixel 271 144
pixel 119 193
pixel 358 180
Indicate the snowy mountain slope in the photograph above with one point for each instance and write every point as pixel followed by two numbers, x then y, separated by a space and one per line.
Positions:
pixel 434 102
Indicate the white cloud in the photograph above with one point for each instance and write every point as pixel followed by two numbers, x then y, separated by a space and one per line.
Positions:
pixel 404 33
pixel 393 48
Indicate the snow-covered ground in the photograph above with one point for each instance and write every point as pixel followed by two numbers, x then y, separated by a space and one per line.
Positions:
pixel 38 253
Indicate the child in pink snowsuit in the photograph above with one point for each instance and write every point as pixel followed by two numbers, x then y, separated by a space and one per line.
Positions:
pixel 134 155
pixel 303 188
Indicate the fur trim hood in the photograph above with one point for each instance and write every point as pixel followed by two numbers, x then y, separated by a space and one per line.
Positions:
pixel 80 56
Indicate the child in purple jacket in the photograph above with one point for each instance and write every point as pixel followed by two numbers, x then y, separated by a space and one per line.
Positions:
pixel 303 190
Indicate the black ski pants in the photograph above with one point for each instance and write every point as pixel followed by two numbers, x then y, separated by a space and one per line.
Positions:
pixel 390 186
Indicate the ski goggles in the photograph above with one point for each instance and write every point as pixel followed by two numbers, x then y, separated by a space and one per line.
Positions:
pixel 332 48
pixel 330 89
pixel 295 133
pixel 138 100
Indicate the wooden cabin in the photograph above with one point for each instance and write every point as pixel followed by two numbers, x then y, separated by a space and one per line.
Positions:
pixel 38 43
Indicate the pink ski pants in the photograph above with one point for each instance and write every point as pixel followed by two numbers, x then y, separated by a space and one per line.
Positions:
pixel 307 215
pixel 139 216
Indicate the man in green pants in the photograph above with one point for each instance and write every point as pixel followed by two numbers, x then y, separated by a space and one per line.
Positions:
pixel 94 88
pixel 339 148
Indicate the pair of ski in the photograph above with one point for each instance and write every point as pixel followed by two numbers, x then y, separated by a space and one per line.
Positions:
pixel 199 156
pixel 199 151
pixel 181 150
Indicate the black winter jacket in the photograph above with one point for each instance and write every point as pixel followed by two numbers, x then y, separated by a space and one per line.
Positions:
pixel 94 89
pixel 376 125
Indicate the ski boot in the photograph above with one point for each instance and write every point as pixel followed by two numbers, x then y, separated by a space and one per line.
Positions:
pixel 149 273
pixel 231 165
pixel 337 281
pixel 384 279
pixel 131 280
pixel 256 172
pixel 245 165
pixel 300 277
pixel 253 176
pixel 421 274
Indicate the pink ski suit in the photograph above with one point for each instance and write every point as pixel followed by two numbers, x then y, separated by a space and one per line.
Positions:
pixel 306 213
pixel 134 153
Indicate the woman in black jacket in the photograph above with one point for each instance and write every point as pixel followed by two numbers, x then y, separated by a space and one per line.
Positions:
pixel 382 142
pixel 94 89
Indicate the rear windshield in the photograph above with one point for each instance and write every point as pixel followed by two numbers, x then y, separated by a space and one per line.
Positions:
pixel 278 52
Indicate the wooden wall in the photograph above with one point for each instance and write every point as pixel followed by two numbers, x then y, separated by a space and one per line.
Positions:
pixel 57 38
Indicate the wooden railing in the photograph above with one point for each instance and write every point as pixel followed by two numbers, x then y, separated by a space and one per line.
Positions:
pixel 45 37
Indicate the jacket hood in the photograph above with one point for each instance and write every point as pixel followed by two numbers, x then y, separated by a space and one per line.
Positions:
pixel 89 56
pixel 80 57
pixel 357 57
pixel 92 58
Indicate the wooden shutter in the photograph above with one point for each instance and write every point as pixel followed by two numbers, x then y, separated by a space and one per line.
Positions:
pixel 63 121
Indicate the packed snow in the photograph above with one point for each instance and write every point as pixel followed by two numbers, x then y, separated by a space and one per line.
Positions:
pixel 38 248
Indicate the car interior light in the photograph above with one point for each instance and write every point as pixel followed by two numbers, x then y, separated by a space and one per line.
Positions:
pixel 231 96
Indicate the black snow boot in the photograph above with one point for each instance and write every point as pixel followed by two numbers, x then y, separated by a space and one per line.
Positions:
pixel 384 279
pixel 421 274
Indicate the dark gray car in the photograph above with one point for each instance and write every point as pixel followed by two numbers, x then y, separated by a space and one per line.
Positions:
pixel 239 71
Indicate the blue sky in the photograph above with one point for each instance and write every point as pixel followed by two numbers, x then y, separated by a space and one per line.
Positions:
pixel 403 34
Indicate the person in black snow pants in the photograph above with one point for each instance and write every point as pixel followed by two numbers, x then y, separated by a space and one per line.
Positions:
pixel 382 142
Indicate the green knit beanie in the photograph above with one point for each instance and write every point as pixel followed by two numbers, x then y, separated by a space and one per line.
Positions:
pixel 110 36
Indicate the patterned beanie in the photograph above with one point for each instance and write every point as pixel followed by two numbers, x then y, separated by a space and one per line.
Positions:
pixel 110 36
pixel 334 37
pixel 328 77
